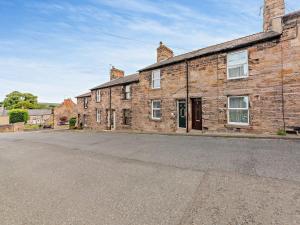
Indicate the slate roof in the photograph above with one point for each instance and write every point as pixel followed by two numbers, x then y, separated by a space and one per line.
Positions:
pixel 32 112
pixel 227 46
pixel 89 94
pixel 120 81
pixel 39 112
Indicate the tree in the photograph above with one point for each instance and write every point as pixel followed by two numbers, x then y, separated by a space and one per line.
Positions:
pixel 18 100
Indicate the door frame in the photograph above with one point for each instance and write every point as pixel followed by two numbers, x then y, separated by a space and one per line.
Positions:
pixel 178 102
pixel 193 113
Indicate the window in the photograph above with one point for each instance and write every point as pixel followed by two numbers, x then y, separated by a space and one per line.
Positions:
pixel 98 115
pixel 127 92
pixel 237 65
pixel 156 79
pixel 126 116
pixel 156 110
pixel 85 103
pixel 98 95
pixel 238 110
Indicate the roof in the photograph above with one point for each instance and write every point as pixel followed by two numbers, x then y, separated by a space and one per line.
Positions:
pixel 89 94
pixel 39 112
pixel 291 15
pixel 32 112
pixel 120 81
pixel 227 46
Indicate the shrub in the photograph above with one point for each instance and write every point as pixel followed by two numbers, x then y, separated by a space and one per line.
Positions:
pixel 281 132
pixel 72 122
pixel 18 115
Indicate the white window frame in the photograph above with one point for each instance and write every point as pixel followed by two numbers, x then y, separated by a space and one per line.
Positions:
pixel 85 102
pixel 152 110
pixel 247 108
pixel 127 92
pixel 98 95
pixel 237 65
pixel 98 115
pixel 153 79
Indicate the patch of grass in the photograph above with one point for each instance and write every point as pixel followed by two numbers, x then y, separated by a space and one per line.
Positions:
pixel 281 132
pixel 32 127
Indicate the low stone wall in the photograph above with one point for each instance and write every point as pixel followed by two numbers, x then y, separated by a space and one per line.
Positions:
pixel 17 127
pixel 4 120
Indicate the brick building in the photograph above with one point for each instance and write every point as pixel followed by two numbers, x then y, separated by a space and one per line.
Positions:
pixel 251 85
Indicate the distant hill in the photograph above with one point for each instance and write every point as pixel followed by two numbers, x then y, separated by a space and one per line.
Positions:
pixel 45 105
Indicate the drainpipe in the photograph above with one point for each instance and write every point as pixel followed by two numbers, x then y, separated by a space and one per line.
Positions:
pixel 110 111
pixel 282 89
pixel 187 95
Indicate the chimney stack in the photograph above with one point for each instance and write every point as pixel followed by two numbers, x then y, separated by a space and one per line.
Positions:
pixel 274 10
pixel 163 52
pixel 116 73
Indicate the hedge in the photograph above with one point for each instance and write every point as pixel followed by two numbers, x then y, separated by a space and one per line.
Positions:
pixel 18 115
pixel 72 122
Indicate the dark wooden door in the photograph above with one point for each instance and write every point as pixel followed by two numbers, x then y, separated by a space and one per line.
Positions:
pixel 197 114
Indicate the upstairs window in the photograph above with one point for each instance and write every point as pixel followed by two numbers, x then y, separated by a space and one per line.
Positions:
pixel 127 92
pixel 237 65
pixel 98 95
pixel 238 110
pixel 85 103
pixel 156 110
pixel 156 79
pixel 98 115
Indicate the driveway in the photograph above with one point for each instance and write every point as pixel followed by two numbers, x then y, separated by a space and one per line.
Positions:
pixel 81 178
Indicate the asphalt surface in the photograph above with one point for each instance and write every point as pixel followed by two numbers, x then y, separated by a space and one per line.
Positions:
pixel 81 178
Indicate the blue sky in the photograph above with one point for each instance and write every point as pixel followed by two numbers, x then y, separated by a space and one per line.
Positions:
pixel 60 48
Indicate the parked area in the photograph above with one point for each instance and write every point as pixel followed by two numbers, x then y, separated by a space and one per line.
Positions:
pixel 82 178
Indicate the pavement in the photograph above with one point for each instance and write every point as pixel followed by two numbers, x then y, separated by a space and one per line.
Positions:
pixel 84 178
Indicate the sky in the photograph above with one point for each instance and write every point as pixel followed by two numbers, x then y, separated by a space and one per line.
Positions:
pixel 58 49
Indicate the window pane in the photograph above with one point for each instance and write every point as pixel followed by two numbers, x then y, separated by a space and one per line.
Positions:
pixel 156 75
pixel 128 95
pixel 238 102
pixel 156 104
pixel 238 116
pixel 236 72
pixel 156 83
pixel 156 114
pixel 127 88
pixel 237 58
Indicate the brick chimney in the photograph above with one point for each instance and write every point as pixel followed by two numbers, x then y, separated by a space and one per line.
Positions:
pixel 163 52
pixel 116 73
pixel 274 10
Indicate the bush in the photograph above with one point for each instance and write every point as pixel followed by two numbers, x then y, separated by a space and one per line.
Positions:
pixel 72 122
pixel 18 115
pixel 281 132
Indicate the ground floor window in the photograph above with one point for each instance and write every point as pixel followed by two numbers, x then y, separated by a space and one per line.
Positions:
pixel 126 116
pixel 98 115
pixel 238 110
pixel 156 109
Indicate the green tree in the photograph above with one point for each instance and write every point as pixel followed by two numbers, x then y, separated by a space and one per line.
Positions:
pixel 18 100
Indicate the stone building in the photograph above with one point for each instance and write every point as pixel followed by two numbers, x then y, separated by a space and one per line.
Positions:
pixel 249 85
pixel 84 110
pixel 62 113
pixel 110 105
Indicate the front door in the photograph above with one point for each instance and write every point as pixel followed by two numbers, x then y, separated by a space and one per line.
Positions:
pixel 181 114
pixel 197 114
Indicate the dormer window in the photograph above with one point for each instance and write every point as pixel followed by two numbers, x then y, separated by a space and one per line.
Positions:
pixel 98 95
pixel 237 65
pixel 155 79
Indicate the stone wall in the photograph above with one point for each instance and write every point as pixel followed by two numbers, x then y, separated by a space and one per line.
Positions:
pixel 4 120
pixel 17 127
